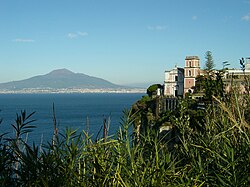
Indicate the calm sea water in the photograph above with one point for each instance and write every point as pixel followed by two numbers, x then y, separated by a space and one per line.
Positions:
pixel 72 110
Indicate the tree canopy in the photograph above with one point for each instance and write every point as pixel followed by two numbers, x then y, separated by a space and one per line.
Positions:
pixel 209 65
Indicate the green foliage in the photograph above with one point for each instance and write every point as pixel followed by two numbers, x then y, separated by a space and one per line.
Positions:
pixel 209 64
pixel 210 85
pixel 152 90
pixel 145 99
pixel 217 154
pixel 214 87
pixel 199 84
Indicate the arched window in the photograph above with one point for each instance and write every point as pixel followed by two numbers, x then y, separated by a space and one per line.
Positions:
pixel 190 63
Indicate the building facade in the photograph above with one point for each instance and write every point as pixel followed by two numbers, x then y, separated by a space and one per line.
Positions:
pixel 237 78
pixel 174 82
pixel 191 71
pixel 179 81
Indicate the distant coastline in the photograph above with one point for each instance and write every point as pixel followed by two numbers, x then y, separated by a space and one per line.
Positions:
pixel 64 81
pixel 71 90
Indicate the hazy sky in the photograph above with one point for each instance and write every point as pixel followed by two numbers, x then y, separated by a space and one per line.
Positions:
pixel 123 41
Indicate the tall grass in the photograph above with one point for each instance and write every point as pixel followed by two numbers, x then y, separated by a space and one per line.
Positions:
pixel 218 154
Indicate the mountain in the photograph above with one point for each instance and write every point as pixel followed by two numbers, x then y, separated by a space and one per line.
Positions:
pixel 60 79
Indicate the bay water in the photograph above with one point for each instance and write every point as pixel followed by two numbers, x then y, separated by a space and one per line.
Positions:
pixel 76 111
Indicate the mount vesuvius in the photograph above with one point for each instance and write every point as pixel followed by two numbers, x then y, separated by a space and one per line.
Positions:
pixel 60 79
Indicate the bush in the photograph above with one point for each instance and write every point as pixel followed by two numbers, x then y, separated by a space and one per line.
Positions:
pixel 216 155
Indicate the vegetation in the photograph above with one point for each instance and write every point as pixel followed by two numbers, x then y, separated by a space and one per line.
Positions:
pixel 207 146
pixel 216 154
pixel 209 64
pixel 211 84
pixel 152 90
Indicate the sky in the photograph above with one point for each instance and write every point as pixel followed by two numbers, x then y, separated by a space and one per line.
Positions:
pixel 127 42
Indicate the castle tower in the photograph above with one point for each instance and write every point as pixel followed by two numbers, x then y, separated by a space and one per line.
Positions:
pixel 191 70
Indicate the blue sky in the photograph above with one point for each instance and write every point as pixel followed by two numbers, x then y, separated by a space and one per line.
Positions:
pixel 123 41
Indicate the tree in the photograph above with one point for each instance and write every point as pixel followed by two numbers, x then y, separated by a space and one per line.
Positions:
pixel 152 90
pixel 199 83
pixel 209 66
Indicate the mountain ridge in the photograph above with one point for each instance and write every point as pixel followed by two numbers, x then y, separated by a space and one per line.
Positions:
pixel 62 71
pixel 60 79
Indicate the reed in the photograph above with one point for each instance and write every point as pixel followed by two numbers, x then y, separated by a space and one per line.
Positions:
pixel 218 154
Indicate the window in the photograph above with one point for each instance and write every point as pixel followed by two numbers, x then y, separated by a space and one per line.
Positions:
pixel 176 93
pixel 176 78
pixel 190 63
pixel 189 73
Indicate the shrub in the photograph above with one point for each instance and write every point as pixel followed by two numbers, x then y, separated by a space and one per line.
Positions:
pixel 218 154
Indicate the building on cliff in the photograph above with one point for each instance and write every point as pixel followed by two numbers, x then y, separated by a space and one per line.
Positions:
pixel 179 81
pixel 237 78
pixel 191 71
pixel 174 82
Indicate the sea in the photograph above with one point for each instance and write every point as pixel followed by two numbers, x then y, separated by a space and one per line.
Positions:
pixel 86 111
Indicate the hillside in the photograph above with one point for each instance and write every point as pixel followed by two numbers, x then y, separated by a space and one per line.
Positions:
pixel 60 79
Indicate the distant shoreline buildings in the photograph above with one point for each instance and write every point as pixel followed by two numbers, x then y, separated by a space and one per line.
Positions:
pixel 71 91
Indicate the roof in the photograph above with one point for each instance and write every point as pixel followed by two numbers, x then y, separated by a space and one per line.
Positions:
pixel 192 58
